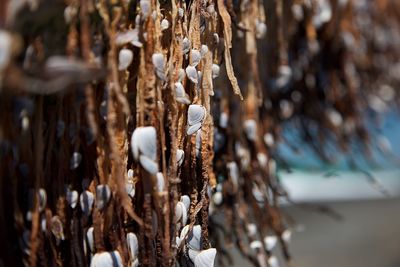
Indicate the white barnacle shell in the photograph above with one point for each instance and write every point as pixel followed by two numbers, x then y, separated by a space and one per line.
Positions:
pixel 144 147
pixel 192 253
pixel 133 245
pixel 185 45
pixel 211 9
pixel 216 38
pixel 72 198
pixel 223 120
pixel 273 261
pixel 198 144
pixel 185 199
pixel 180 156
pixel 180 94
pixel 129 36
pixel 103 195
pixel 270 242
pixel 125 58
pixel 256 244
pixel 215 70
pixel 251 229
pixel 5 49
pixel 203 50
pixel 195 237
pixel 181 75
pixel 145 8
pixel 164 24
pixel 159 65
pixel 130 173
pixel 86 201
pixel 233 173
pixel 195 56
pixel 191 73
pixel 262 159
pixel 42 198
pixel 160 182
pixel 334 117
pixel 57 228
pixel 287 235
pixel 196 115
pixel 205 258
pixel 130 189
pixel 180 213
pixel 75 160
pixel 106 259
pixel 217 198
pixel 181 12
pixel 269 139
pixel 261 29
pixel 250 128
pixel 90 238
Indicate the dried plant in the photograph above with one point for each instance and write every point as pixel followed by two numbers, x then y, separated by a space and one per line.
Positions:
pixel 145 132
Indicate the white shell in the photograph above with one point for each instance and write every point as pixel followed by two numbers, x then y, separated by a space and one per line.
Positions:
pixel 195 57
pixel 72 198
pixel 130 189
pixel 181 75
pixel 90 238
pixel 233 173
pixel 103 195
pixel 164 24
pixel 273 261
pixel 185 45
pixel 256 244
pixel 269 139
pixel 130 173
pixel 184 232
pixel 223 120
pixel 133 245
pixel 57 228
pixel 130 36
pixel 287 235
pixel 191 73
pixel 196 114
pixel 261 30
pixel 42 198
pixel 43 223
pixel 270 242
pixel 5 49
pixel 195 237
pixel 125 58
pixel 181 12
pixel 198 144
pixel 180 213
pixel 144 140
pixel 203 50
pixel 180 156
pixel 180 94
pixel 145 8
pixel 160 182
pixel 159 65
pixel 252 229
pixel 211 9
pixel 107 259
pixel 185 199
pixel 86 201
pixel 148 164
pixel 194 128
pixel 262 159
pixel 217 198
pixel 216 38
pixel 250 128
pixel 75 160
pixel 205 258
pixel 215 70
pixel 192 253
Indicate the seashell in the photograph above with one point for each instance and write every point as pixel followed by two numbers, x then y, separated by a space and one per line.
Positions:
pixel 130 189
pixel 148 164
pixel 129 36
pixel 43 223
pixel 261 30
pixel 164 24
pixel 159 65
pixel 195 57
pixel 72 198
pixel 42 199
pixel 262 159
pixel 198 144
pixel 145 8
pixel 144 140
pixel 251 229
pixel 196 114
pixel 130 174
pixel 269 139
pixel 103 195
pixel 185 45
pixel 57 228
pixel 257 194
pixel 270 242
pixel 216 38
pixel 223 120
pixel 137 19
pixel 233 173
pixel 250 128
pixel 133 245
pixel 178 212
pixel 181 75
pixel 180 156
pixel 181 12
pixel 192 253
pixel 215 70
pixel 106 259
pixel 384 144
pixel 180 94
pixel 5 49
pixel 70 13
pixel 287 235
pixel 195 237
pixel 297 11
pixel 386 92
pixel 75 160
pixel 135 263
pixel 125 58
pixel 185 199
pixel 211 9
pixel 334 117
pixel 217 198
pixel 194 128
pixel 191 73
pixel 154 15
pixel 184 232
pixel 205 258
pixel 86 201
pixel 160 182
pixel 256 244
pixel 273 261
pixel 90 238
pixel 284 76
pixel 203 50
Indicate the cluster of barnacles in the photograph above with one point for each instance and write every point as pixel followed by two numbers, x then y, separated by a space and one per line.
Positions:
pixel 146 132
